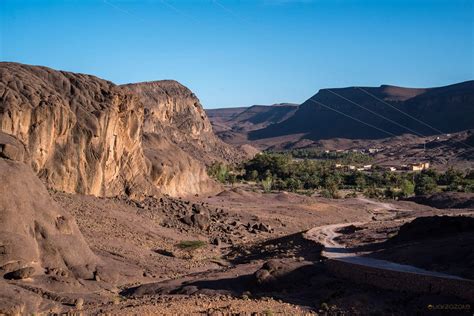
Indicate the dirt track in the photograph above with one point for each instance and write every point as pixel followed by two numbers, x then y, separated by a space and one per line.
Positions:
pixel 335 251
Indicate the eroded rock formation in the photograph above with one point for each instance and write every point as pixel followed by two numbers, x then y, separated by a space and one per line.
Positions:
pixel 83 133
pixel 172 111
pixel 36 236
pixel 87 135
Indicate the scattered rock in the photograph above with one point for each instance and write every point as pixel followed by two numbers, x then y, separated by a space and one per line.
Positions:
pixel 216 241
pixel 79 303
pixel 20 274
pixel 187 220
pixel 200 220
pixel 11 266
pixel 165 253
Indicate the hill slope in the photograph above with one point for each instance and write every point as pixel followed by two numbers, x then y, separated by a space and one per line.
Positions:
pixel 449 109
pixel 233 124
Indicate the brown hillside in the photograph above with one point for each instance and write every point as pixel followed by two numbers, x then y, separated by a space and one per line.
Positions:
pixel 433 106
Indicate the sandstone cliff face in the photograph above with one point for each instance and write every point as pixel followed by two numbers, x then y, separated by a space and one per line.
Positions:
pixel 173 170
pixel 177 138
pixel 175 113
pixel 86 135
pixel 83 133
pixel 170 104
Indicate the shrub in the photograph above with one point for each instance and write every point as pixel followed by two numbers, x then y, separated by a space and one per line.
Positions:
pixel 389 193
pixel 372 192
pixel 407 188
pixel 425 184
pixel 191 244
pixel 267 184
pixel 253 175
pixel 330 194
pixel 293 184
pixel 218 171
pixel 351 195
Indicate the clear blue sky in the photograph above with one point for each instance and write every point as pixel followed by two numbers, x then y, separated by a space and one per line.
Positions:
pixel 234 53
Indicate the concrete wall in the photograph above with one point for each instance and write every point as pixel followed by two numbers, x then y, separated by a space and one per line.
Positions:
pixel 395 280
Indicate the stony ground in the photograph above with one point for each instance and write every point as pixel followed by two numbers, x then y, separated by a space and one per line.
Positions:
pixel 237 252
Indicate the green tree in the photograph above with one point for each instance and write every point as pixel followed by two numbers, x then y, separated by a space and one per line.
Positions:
pixel 360 181
pixel 331 185
pixel 267 184
pixel 293 184
pixel 253 175
pixel 453 179
pixel 407 188
pixel 425 184
pixel 218 171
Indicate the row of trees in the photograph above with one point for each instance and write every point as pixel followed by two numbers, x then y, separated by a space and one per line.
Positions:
pixel 339 157
pixel 285 173
pixel 277 171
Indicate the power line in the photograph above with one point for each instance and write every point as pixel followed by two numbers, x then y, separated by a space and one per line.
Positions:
pixel 377 114
pixel 229 11
pixel 375 127
pixel 408 115
pixel 351 117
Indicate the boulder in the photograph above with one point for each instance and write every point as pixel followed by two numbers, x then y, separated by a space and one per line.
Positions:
pixel 201 221
pixel 19 274
pixel 34 231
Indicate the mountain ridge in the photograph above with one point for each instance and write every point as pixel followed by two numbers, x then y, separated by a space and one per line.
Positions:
pixel 318 122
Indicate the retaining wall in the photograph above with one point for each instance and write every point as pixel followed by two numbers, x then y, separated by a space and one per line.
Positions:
pixel 404 281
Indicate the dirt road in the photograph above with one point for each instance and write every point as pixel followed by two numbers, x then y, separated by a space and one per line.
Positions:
pixel 327 234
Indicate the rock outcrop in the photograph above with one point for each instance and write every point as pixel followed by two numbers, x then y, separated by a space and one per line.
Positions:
pixel 173 112
pixel 35 234
pixel 173 170
pixel 83 133
pixel 86 135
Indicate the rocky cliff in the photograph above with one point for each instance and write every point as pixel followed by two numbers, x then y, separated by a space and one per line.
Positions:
pixel 87 135
pixel 83 133
pixel 173 112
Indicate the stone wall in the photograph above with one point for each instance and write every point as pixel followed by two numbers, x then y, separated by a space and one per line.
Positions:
pixel 402 281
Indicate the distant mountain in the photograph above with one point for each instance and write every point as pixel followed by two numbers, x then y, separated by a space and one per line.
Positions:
pixel 233 124
pixel 338 113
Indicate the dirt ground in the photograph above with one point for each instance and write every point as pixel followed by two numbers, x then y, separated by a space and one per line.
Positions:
pixel 237 252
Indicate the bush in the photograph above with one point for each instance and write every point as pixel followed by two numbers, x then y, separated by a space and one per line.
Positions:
pixel 351 195
pixel 293 184
pixel 279 184
pixel 407 188
pixel 425 184
pixel 191 244
pixel 218 171
pixel 267 184
pixel 372 192
pixel 331 193
pixel 253 176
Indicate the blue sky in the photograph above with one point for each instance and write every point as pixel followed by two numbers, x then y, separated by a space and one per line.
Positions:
pixel 234 53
